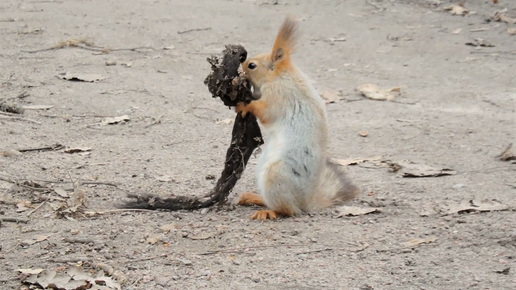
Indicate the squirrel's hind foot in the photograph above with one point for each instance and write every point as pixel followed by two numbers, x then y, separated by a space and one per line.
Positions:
pixel 264 215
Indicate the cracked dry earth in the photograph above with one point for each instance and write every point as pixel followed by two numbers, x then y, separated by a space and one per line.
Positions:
pixel 456 110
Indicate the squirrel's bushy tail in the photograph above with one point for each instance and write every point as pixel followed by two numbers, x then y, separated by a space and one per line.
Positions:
pixel 334 187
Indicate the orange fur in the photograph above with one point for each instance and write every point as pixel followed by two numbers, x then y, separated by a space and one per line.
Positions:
pixel 256 108
pixel 285 45
pixel 264 214
pixel 250 198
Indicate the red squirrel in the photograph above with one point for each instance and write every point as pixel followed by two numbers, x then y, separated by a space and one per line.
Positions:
pixel 294 174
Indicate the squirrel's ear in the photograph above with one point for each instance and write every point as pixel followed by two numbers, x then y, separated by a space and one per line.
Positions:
pixel 277 55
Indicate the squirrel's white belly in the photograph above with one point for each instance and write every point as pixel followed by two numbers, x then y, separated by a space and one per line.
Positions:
pixel 272 151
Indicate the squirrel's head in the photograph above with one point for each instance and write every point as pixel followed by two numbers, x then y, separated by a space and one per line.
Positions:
pixel 266 67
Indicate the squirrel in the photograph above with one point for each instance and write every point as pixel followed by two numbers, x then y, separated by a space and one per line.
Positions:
pixel 294 173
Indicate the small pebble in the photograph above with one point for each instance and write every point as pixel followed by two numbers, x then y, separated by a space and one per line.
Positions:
pixel 110 62
pixel 11 153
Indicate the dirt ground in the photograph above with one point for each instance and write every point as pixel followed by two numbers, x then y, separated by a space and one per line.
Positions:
pixel 456 110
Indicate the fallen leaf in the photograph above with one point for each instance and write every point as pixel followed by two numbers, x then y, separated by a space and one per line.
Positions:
pixel 456 10
pixel 457 31
pixel 168 227
pixel 201 237
pixel 337 39
pixel 36 239
pixel 479 42
pixel 61 192
pixel 331 96
pixel 416 242
pixel 116 120
pixel 356 211
pixel 506 154
pixel 29 271
pixel 90 78
pixel 479 29
pixel 37 107
pixel 411 169
pixel 346 162
pixel 72 150
pixel 164 178
pixel 372 92
pixel 472 206
pixel 225 121
pixel 501 17
pixel 153 239
pixel 504 271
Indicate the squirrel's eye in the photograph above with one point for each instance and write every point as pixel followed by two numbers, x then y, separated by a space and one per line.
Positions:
pixel 252 65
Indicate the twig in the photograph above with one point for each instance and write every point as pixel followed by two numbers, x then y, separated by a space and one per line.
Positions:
pixel 79 240
pixel 19 119
pixel 194 29
pixel 92 213
pixel 55 181
pixel 14 220
pixel 375 5
pixel 236 250
pixel 334 249
pixel 46 148
pixel 22 95
pixel 40 205
pixel 68 259
pixel 148 258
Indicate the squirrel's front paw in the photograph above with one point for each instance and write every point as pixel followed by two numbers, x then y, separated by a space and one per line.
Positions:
pixel 240 108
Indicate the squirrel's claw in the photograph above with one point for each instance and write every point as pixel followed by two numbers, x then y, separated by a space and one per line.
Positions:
pixel 264 214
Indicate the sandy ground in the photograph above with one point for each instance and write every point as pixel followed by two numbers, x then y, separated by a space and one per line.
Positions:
pixel 456 110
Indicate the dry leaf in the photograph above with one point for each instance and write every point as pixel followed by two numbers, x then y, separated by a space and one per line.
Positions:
pixel 411 169
pixel 116 120
pixel 225 121
pixel 337 39
pixel 456 10
pixel 501 17
pixel 506 154
pixel 61 192
pixel 29 271
pixel 73 279
pixel 346 162
pixel 153 240
pixel 356 211
pixel 37 107
pixel 167 228
pixel 164 178
pixel 479 42
pixel 77 149
pixel 201 237
pixel 472 206
pixel 416 242
pixel 36 239
pixel 457 31
pixel 372 92
pixel 331 96
pixel 90 78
